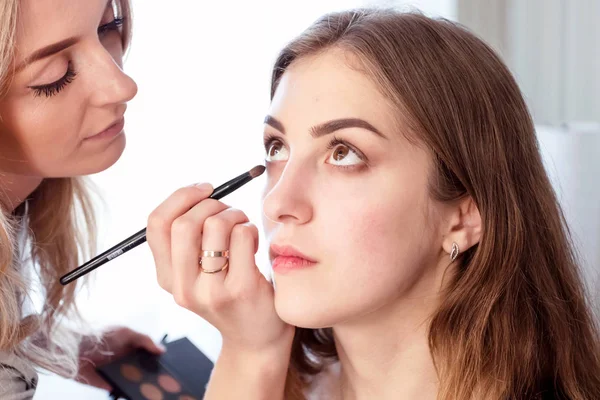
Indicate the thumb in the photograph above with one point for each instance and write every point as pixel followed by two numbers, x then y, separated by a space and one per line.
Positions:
pixel 145 342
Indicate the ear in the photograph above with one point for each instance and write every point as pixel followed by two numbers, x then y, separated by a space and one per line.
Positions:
pixel 464 226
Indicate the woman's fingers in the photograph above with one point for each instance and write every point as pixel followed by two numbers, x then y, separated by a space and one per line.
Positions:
pixel 158 233
pixel 216 237
pixel 243 247
pixel 186 243
pixel 145 342
pixel 238 301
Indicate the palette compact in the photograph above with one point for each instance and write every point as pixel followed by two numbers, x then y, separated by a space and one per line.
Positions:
pixel 181 373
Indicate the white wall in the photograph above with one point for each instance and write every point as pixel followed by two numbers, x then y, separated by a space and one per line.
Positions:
pixel 552 47
pixel 571 157
pixel 582 61
pixel 433 8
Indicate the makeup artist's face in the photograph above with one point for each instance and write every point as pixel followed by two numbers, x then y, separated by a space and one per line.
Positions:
pixel 351 196
pixel 57 106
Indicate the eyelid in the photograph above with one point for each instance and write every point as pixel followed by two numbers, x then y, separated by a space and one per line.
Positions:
pixel 335 141
pixel 55 87
pixel 270 138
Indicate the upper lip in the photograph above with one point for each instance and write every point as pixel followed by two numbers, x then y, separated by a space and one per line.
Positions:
pixel 115 122
pixel 287 251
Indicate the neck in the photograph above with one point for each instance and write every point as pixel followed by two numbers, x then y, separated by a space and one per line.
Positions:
pixel 386 354
pixel 14 189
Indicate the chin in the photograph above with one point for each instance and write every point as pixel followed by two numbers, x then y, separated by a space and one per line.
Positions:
pixel 104 159
pixel 306 313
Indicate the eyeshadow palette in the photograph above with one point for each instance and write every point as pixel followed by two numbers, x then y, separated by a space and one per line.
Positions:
pixel 181 373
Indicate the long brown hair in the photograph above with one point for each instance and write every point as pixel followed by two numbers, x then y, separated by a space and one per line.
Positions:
pixel 513 322
pixel 50 230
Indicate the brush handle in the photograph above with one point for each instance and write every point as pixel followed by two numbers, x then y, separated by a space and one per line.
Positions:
pixel 140 237
pixel 110 254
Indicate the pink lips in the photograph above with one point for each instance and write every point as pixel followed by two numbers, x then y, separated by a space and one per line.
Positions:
pixel 286 258
pixel 110 132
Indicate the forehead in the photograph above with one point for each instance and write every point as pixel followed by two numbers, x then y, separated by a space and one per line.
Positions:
pixel 44 22
pixel 329 85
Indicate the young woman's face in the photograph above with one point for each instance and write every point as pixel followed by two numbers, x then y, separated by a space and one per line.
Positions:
pixel 349 193
pixel 63 112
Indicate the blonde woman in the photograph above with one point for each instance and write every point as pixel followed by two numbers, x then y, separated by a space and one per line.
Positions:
pixel 417 246
pixel 62 100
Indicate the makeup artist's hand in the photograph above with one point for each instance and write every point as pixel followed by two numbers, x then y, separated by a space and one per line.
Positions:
pixel 238 301
pixel 113 344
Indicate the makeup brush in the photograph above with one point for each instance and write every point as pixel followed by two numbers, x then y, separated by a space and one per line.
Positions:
pixel 140 237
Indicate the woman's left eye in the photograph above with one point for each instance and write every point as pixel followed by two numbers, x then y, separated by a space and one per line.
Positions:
pixel 343 155
pixel 112 26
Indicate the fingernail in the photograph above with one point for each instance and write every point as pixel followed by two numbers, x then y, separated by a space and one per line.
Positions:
pixel 161 348
pixel 205 187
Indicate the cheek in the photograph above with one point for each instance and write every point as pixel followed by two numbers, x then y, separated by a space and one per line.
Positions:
pixel 378 240
pixel 272 173
pixel 40 123
pixel 373 241
pixel 39 132
pixel 371 232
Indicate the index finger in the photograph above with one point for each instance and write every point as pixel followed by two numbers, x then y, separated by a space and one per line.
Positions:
pixel 158 233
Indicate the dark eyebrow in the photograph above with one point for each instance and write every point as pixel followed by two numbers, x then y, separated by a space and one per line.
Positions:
pixel 47 52
pixel 274 123
pixel 329 126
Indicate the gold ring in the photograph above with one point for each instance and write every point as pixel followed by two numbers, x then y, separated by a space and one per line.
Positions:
pixel 216 254
pixel 223 268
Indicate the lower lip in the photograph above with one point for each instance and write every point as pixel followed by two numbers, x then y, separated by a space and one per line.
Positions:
pixel 111 132
pixel 286 263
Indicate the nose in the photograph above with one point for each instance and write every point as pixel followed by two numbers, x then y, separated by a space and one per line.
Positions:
pixel 288 197
pixel 110 84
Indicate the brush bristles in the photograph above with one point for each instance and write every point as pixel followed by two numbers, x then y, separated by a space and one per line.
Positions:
pixel 257 171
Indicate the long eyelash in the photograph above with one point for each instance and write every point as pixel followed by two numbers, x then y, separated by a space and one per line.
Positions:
pixel 269 140
pixel 336 142
pixel 54 88
pixel 114 25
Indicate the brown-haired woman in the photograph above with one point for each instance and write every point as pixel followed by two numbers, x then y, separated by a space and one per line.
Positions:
pixel 417 245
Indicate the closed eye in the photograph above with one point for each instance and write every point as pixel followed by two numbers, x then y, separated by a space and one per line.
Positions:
pixel 52 89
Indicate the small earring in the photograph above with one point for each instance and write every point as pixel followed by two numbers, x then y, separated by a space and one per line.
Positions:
pixel 454 252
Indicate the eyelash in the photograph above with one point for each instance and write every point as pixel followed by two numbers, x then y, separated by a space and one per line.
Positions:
pixel 270 139
pixel 54 88
pixel 114 25
pixel 336 142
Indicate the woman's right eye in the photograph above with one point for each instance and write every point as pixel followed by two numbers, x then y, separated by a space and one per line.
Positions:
pixel 276 151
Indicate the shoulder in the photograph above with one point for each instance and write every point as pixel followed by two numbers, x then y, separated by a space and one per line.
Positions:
pixel 324 385
pixel 18 379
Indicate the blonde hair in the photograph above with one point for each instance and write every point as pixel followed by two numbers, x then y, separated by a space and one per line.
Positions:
pixel 514 322
pixel 49 231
